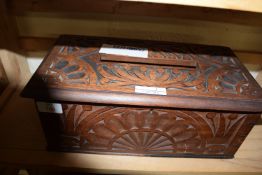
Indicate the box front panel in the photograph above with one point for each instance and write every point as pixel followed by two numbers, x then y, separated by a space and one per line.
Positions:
pixel 146 131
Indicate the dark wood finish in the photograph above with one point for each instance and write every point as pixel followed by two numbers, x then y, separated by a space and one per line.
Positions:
pixel 136 8
pixel 3 78
pixel 207 112
pixel 32 44
pixel 8 29
pixel 141 100
pixel 73 70
pixel 147 131
pixel 155 57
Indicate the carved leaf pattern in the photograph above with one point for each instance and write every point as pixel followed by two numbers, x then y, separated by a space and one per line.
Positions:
pixel 214 75
pixel 150 131
pixel 223 123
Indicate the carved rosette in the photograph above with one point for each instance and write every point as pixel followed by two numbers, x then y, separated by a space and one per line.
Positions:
pixel 149 131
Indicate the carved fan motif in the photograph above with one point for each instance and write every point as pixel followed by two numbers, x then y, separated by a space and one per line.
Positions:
pixel 144 131
pixel 149 131
pixel 138 130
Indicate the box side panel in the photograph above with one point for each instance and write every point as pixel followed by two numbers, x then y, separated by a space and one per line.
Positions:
pixel 146 131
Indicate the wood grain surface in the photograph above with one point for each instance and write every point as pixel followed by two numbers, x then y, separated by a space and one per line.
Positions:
pixel 14 64
pixel 25 146
pixel 146 131
pixel 8 29
pixel 73 71
pixel 151 7
pixel 51 25
pixel 240 5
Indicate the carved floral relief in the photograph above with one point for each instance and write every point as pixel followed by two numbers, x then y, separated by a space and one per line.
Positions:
pixel 149 131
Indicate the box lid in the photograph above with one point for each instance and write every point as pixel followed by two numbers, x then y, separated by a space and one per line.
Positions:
pixel 158 74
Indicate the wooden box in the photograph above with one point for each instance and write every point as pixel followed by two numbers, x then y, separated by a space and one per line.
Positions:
pixel 118 96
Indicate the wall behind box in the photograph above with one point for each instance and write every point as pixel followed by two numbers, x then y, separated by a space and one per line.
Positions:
pixel 50 25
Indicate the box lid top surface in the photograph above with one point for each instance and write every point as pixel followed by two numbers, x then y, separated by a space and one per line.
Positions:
pixel 181 76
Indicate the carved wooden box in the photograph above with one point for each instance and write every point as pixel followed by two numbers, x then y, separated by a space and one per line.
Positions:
pixel 167 99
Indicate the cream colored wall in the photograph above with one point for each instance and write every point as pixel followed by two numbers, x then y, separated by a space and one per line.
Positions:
pixel 254 5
